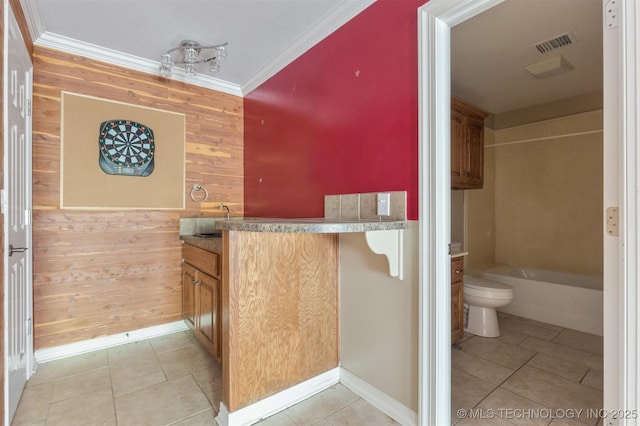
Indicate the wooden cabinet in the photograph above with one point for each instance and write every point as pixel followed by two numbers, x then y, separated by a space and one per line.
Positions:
pixel 457 299
pixel 467 146
pixel 201 297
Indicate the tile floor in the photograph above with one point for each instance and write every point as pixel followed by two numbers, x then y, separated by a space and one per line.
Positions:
pixel 531 373
pixel 169 380
pixel 530 369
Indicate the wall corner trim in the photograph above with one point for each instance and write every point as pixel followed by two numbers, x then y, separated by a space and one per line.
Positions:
pixel 85 346
pixel 291 396
pixel 275 403
pixel 383 402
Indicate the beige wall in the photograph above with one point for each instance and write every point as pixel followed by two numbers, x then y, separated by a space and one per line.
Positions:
pixel 547 205
pixel 379 317
pixel 480 214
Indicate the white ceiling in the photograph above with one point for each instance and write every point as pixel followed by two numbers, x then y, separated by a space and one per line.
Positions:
pixel 263 35
pixel 489 53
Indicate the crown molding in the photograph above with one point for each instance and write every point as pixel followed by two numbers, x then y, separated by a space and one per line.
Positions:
pixel 329 23
pixel 32 15
pixel 75 47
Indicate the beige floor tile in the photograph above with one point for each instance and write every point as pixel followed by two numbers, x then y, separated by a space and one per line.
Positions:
pixel 467 391
pixel 510 337
pixel 359 413
pixel 553 391
pixel 579 340
pixel 530 327
pixel 512 407
pixel 559 351
pixel 594 378
pixel 134 368
pixel 80 384
pixel 278 419
pixel 86 410
pixel 162 404
pixel 479 367
pixel 171 342
pixel 321 405
pixel 509 356
pixel 40 423
pixel 567 368
pixel 567 422
pixel 50 371
pixel 496 421
pixel 210 381
pixel 185 360
pixel 33 405
pixel 122 353
pixel 206 418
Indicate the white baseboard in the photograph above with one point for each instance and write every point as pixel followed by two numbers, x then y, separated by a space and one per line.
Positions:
pixel 64 351
pixel 278 402
pixel 383 402
pixel 285 399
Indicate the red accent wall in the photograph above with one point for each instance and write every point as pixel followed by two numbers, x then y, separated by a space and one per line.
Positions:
pixel 342 118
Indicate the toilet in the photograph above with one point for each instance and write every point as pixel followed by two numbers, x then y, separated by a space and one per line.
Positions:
pixel 483 297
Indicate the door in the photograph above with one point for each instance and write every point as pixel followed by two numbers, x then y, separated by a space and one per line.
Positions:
pixel 16 208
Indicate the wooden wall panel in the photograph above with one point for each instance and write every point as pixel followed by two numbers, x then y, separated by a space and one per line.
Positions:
pixel 99 273
pixel 279 312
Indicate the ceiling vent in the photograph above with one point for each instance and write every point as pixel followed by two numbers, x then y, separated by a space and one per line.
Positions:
pixel 557 42
pixel 548 67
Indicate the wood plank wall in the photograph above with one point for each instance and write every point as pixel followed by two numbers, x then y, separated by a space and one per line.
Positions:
pixel 99 273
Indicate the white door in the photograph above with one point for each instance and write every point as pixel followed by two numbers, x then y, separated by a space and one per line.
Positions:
pixel 16 207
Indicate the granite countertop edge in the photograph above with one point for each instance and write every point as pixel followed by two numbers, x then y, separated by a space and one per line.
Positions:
pixel 319 226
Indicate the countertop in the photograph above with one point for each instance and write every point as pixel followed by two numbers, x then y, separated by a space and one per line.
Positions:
pixel 317 226
pixel 459 254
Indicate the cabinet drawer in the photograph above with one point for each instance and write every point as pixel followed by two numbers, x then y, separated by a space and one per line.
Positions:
pixel 457 269
pixel 203 260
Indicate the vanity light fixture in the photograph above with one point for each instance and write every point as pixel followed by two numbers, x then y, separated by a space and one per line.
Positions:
pixel 189 53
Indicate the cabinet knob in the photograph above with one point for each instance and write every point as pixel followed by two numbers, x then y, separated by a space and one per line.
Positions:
pixel 459 271
pixel 198 282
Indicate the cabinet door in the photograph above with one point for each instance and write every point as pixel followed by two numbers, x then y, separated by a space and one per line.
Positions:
pixel 458 148
pixel 475 146
pixel 189 280
pixel 208 313
pixel 457 299
pixel 457 312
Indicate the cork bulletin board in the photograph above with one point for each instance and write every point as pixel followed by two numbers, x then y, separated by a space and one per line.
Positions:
pixel 116 156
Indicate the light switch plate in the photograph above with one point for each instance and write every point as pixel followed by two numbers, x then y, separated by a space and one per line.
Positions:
pixel 384 204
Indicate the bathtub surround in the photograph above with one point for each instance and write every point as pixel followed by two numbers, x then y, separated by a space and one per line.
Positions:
pixel 541 206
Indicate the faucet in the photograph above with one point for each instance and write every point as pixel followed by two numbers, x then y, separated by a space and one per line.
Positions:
pixel 223 206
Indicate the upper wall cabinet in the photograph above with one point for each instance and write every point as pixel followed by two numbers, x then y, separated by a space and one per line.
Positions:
pixel 467 146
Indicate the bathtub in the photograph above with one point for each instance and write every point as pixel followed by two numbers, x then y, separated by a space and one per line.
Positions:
pixel 567 300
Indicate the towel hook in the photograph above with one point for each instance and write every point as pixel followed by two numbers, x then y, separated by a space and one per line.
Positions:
pixel 197 187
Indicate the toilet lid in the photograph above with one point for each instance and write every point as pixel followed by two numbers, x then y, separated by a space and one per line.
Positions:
pixel 482 284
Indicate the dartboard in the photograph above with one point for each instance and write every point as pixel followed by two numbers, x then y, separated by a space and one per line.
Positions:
pixel 126 148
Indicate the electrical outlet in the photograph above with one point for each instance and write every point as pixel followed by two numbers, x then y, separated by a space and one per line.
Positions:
pixel 384 204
